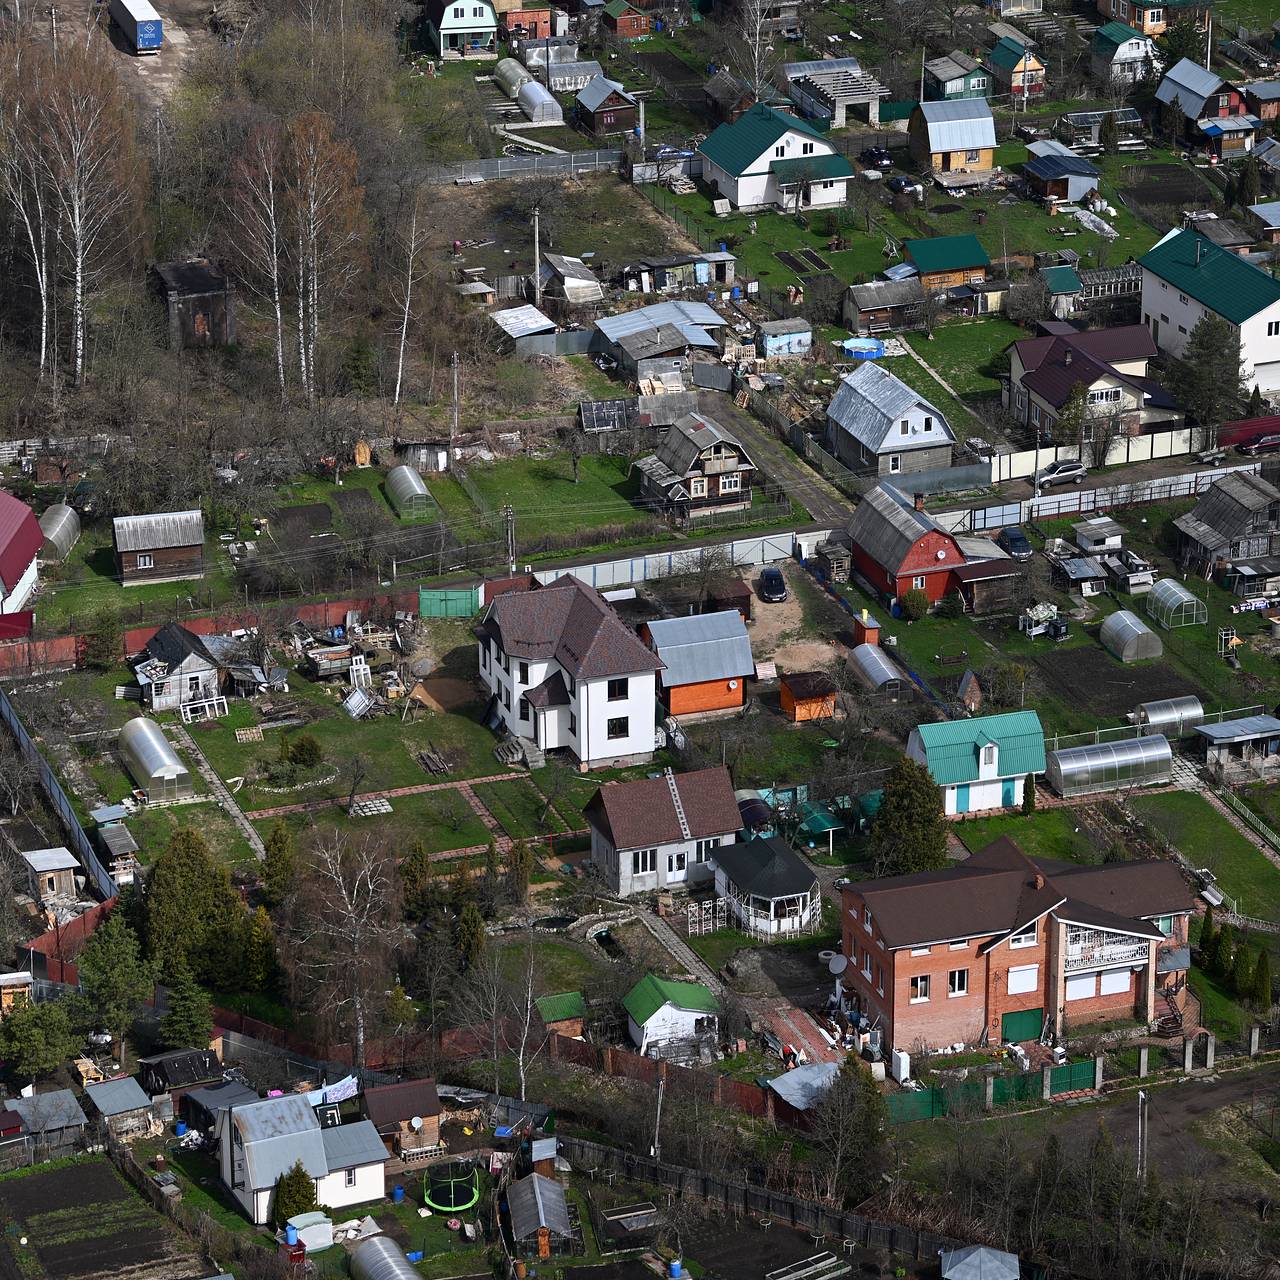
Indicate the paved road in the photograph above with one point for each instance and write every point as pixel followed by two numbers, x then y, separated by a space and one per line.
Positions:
pixel 801 482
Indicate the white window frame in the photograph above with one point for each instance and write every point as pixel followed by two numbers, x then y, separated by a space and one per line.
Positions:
pixel 806 148
pixel 145 560
pixel 349 1177
pixel 705 848
pixel 731 483
pixel 918 583
pixel 920 989
pixel 644 861
pixel 698 487
pixel 957 983
pixel 920 951
pixel 1026 981
pixel 1081 986
pixel 957 946
pixel 1029 937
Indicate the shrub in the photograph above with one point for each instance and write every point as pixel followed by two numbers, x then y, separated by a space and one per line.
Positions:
pixel 915 605
pixel 305 751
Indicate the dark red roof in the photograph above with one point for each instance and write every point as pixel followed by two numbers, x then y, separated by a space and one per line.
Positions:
pixel 20 540
pixel 1056 364
pixel 643 812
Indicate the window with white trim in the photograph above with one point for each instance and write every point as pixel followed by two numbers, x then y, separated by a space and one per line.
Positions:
pixel 879 981
pixel 1027 938
pixel 1182 297
pixel 524 708
pixel 1082 987
pixel 920 989
pixel 731 484
pixel 349 1177
pixel 643 861
pixel 1105 395
pixel 698 487
pixel 917 583
pixel 920 951
pixel 618 728
pixel 145 560
pixel 957 946
pixel 1115 982
pixel 1164 924
pixel 1024 979
pixel 866 918
pixel 989 754
pixel 704 848
pixel 781 150
pixel 958 983
pixel 522 671
pixel 806 148
pixel 972 157
pixel 904 427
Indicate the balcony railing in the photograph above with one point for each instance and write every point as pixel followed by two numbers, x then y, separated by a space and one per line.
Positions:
pixel 1096 949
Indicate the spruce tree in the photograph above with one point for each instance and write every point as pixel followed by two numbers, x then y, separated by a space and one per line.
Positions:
pixel 910 833
pixel 1029 795
pixel 1249 186
pixel 1224 953
pixel 1260 984
pixel 280 865
pixel 469 936
pixel 1109 135
pixel 114 977
pixel 519 871
pixel 1207 380
pixel 295 1194
pixel 259 951
pixel 1242 967
pixel 1208 938
pixel 189 1022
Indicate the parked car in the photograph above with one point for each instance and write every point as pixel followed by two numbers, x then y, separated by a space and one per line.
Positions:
pixel 875 158
pixel 1263 444
pixel 1014 541
pixel 901 185
pixel 773 586
pixel 1065 472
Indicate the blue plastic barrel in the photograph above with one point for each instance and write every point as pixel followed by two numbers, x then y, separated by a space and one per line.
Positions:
pixel 735 293
pixel 290 1233
pixel 676 1269
pixel 397 1194
pixel 180 1128
pixel 724 248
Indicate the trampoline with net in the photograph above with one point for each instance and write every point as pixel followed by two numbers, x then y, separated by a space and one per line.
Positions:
pixel 451 1187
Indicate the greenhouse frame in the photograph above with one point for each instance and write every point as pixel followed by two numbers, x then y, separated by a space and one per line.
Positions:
pixel 1174 717
pixel 1125 636
pixel 408 492
pixel 60 525
pixel 1172 605
pixel 874 667
pixel 1110 766
pixel 152 762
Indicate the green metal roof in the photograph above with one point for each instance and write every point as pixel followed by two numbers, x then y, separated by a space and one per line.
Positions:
pixel 564 1004
pixel 616 8
pixel 1007 53
pixel 1109 38
pixel 736 146
pixel 1222 281
pixel 652 992
pixel 1061 279
pixel 951 747
pixel 946 253
pixel 811 169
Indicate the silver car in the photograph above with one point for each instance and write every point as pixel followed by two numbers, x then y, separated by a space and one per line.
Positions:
pixel 1064 472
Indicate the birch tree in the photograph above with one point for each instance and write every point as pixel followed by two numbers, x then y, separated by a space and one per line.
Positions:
pixel 343 929
pixel 411 246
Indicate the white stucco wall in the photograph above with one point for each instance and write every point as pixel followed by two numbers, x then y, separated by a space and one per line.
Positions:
pixel 615 865
pixel 333 1193
pixel 19 597
pixel 639 708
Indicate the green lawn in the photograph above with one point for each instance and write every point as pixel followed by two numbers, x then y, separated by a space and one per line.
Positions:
pixel 1047 833
pixel 1219 1011
pixel 519 808
pixel 963 423
pixel 1209 840
pixel 153 829
pixel 962 351
pixel 719 947
pixel 558 965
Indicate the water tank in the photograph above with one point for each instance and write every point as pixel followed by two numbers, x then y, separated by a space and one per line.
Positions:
pixel 380 1258
pixel 509 75
pixel 537 103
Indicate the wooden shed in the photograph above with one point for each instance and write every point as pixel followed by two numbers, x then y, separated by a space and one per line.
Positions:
pixel 199 302
pixel 808 695
pixel 730 595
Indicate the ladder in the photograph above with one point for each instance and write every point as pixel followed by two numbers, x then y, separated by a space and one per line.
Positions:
pixel 679 808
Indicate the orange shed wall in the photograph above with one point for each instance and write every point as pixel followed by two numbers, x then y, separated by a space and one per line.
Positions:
pixel 807 708
pixel 708 695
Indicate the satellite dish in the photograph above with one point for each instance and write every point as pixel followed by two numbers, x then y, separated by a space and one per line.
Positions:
pixel 837 964
pixel 416 1123
pixel 940 554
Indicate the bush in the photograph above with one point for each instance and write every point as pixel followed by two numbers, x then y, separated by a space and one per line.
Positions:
pixel 305 751
pixel 915 605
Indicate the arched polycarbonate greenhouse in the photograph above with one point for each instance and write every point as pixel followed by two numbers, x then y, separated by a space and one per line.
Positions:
pixel 408 492
pixel 1174 717
pixel 874 667
pixel 1171 605
pixel 1110 766
pixel 61 528
pixel 380 1258
pixel 509 75
pixel 1125 636
pixel 538 104
pixel 152 762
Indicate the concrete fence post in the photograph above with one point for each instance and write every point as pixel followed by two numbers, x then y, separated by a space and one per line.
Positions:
pixel 1097 1072
pixel 1144 1058
pixel 1255 1040
pixel 1188 1053
pixel 989 1092
pixel 1210 1047
pixel 1046 1083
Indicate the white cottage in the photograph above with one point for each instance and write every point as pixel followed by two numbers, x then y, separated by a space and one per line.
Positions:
pixel 766 159
pixel 259 1141
pixel 462 28
pixel 564 672
pixel 981 764
pixel 667 1019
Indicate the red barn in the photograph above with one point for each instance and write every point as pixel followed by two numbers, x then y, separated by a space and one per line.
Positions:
pixel 897 548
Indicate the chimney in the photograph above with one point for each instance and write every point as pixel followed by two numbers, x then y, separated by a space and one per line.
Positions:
pixel 919 501
pixel 1067 358
pixel 1199 242
pixel 1039 880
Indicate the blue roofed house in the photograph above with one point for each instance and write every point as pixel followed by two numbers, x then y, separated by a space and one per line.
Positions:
pixel 259 1141
pixel 1211 112
pixel 956 140
pixel 981 764
pixel 1061 177
pixel 877 424
pixel 766 159
pixel 706 661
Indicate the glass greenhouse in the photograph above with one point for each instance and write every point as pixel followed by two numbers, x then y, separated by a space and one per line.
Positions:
pixel 1172 605
pixel 1174 717
pixel 408 493
pixel 1125 636
pixel 875 668
pixel 1110 766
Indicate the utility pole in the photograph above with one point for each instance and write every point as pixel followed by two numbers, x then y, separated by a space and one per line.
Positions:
pixel 509 521
pixel 922 52
pixel 537 259
pixel 1143 1124
pixel 656 1150
pixel 453 420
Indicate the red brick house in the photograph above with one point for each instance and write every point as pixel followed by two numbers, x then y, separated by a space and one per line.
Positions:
pixel 1004 947
pixel 898 548
pixel 626 22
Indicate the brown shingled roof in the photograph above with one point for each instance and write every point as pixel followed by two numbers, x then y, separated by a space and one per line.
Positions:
pixel 386 1105
pixel 640 813
pixel 572 623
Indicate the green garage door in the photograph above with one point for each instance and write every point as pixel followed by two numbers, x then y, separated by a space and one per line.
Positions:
pixel 1022 1026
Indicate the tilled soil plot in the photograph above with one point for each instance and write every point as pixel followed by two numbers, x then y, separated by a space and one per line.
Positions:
pixel 1092 679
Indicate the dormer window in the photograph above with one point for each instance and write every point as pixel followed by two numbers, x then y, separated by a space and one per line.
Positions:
pixel 1027 938
pixel 989 755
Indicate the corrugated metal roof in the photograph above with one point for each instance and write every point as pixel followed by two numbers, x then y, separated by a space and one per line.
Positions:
pixel 45 1112
pixel 1263 90
pixel 536 1202
pixel 886 529
pixel 869 403
pixel 163 529
pixel 1223 281
pixel 561 1005
pixel 595 93
pixel 347 1146
pixel 821 66
pixel 704 646
pixel 520 322
pixel 115 1097
pixel 276 1134
pixel 952 66
pixel 964 124
pixel 1268 212
pixel 686 440
pixel 657 314
pixel 946 253
pixel 59 859
pixel 543 1149
pixel 1190 84
pixel 952 747
pixel 803 1087
pixel 734 147
pixel 652 992
pixel 1240 730
pixel 1049 147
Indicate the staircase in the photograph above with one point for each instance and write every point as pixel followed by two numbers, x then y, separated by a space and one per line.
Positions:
pixel 1170 1023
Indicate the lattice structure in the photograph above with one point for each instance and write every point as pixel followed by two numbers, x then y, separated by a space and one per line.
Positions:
pixel 252 734
pixel 706 916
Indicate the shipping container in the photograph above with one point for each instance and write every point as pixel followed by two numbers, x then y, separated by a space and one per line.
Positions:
pixel 139 22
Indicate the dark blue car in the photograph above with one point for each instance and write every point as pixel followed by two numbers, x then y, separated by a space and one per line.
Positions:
pixel 773 586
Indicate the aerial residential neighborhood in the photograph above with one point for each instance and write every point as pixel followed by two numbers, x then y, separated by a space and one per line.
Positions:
pixel 640 640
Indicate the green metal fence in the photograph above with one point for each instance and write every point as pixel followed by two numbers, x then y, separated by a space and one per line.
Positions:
pixel 896 110
pixel 1072 1076
pixel 1026 1086
pixel 461 602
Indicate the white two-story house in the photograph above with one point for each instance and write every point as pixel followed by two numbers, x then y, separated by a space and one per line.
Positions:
pixel 1186 277
pixel 462 28
pixel 653 832
pixel 766 159
pixel 981 764
pixel 564 672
